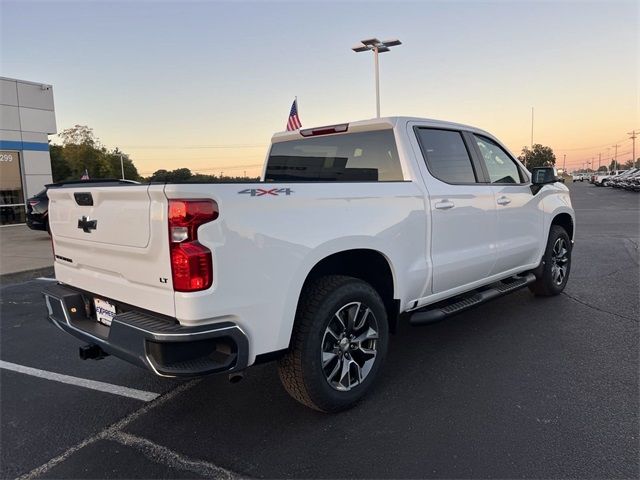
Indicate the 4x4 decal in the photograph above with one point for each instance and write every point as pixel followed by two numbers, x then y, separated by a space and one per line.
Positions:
pixel 259 192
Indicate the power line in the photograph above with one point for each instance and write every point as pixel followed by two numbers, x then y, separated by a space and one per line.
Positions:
pixel 587 148
pixel 191 147
pixel 214 169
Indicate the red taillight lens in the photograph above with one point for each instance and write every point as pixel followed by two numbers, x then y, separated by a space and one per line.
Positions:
pixel 191 262
pixel 191 266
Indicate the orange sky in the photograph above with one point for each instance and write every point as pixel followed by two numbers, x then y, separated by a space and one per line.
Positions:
pixel 176 78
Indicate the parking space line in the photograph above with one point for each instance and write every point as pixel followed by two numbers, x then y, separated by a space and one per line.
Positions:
pixel 109 431
pixel 81 382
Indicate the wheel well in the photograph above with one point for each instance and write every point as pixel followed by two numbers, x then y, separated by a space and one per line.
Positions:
pixel 565 221
pixel 367 265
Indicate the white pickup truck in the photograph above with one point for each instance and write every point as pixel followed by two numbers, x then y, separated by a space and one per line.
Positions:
pixel 352 227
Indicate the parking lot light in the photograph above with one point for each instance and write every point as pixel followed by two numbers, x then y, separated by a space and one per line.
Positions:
pixel 377 47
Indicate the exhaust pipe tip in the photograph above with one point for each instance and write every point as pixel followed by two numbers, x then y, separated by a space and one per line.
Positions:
pixel 236 377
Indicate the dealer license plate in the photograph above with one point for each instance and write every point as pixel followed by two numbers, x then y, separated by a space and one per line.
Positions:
pixel 105 311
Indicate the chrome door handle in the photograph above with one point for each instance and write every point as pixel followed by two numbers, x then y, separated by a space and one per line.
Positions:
pixel 504 201
pixel 444 205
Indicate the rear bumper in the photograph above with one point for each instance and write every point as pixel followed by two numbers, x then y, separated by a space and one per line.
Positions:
pixel 157 343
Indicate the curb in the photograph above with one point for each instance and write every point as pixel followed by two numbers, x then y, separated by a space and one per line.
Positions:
pixel 17 277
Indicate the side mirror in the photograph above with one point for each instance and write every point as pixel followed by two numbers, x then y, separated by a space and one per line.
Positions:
pixel 543 175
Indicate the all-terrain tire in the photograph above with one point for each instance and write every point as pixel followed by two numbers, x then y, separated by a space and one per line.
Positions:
pixel 302 370
pixel 553 273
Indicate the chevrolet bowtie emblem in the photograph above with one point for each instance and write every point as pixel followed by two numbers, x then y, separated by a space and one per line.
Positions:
pixel 87 225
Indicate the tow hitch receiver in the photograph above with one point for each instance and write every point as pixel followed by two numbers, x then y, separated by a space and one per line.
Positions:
pixel 93 352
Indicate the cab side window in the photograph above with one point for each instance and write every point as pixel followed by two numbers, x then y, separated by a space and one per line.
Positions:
pixel 501 167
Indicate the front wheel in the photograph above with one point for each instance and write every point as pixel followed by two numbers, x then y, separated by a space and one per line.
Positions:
pixel 553 273
pixel 338 344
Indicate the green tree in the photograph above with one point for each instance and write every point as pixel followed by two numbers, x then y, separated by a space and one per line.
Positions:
pixel 130 170
pixel 81 150
pixel 178 175
pixel 79 135
pixel 602 168
pixel 538 156
pixel 60 169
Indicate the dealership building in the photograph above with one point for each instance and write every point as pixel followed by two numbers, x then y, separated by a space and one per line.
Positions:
pixel 27 117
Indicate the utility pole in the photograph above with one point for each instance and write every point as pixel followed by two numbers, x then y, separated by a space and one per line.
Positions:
pixel 122 166
pixel 531 128
pixel 615 157
pixel 599 160
pixel 633 137
pixel 564 164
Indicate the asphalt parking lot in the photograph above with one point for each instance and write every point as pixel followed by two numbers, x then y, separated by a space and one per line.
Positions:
pixel 518 388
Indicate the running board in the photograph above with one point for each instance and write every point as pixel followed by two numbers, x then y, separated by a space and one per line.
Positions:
pixel 442 310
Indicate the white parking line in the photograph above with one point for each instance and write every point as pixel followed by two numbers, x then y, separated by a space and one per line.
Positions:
pixel 109 431
pixel 81 382
pixel 47 279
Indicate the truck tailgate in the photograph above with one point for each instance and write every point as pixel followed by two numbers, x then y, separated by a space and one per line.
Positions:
pixel 113 241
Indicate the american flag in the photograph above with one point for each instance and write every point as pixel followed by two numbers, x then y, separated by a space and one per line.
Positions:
pixel 294 121
pixel 85 175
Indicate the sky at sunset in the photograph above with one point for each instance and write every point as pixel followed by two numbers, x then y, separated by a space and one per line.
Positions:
pixel 204 85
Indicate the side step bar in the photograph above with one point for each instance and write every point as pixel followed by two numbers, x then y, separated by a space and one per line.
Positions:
pixel 442 310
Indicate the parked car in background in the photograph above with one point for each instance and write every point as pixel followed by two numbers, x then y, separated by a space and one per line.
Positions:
pixel 634 182
pixel 577 177
pixel 38 205
pixel 38 211
pixel 615 180
pixel 602 178
pixel 623 180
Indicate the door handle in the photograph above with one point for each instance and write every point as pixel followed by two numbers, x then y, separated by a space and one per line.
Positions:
pixel 444 205
pixel 504 200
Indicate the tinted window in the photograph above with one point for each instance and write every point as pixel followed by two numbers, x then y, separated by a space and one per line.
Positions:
pixel 446 155
pixel 351 157
pixel 501 167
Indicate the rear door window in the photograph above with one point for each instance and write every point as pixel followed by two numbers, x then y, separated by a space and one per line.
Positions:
pixel 350 157
pixel 446 155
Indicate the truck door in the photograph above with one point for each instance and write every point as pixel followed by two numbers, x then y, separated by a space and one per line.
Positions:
pixel 463 210
pixel 520 215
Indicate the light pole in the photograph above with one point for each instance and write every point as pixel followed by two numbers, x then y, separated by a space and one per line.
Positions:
pixel 377 47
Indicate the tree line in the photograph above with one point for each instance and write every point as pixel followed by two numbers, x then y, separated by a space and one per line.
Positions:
pixel 81 151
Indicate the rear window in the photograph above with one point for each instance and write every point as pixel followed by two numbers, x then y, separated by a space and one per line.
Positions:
pixel 352 157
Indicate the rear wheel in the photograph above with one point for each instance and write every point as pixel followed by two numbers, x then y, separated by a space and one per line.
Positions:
pixel 553 273
pixel 338 344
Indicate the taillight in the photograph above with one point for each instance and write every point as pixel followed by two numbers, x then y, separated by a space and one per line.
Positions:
pixel 191 262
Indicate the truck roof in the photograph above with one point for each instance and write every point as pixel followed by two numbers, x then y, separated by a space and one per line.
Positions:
pixel 382 123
